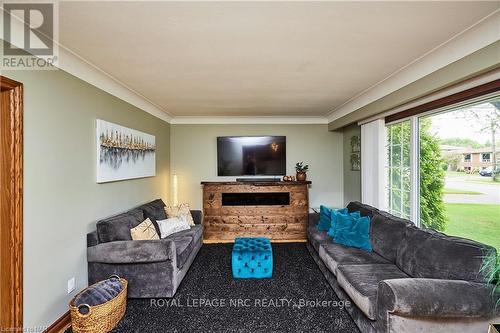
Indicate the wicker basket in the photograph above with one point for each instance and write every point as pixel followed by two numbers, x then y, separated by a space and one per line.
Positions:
pixel 100 318
pixel 494 328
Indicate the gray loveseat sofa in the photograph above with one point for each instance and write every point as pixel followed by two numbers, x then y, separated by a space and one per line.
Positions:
pixel 415 280
pixel 153 268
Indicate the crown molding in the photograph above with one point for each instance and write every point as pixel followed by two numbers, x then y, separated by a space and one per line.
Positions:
pixel 472 39
pixel 83 69
pixel 249 120
pixel 75 65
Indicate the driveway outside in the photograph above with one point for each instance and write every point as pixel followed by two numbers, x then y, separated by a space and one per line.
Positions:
pixel 490 192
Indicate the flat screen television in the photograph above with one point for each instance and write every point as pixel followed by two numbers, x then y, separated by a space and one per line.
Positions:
pixel 251 156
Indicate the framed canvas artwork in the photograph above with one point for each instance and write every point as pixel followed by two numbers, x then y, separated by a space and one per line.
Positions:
pixel 123 153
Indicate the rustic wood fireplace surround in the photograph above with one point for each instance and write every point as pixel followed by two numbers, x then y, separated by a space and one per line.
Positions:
pixel 277 210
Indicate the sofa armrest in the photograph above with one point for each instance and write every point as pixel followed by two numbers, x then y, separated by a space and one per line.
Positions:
pixel 313 219
pixel 435 298
pixel 92 239
pixel 132 252
pixel 197 216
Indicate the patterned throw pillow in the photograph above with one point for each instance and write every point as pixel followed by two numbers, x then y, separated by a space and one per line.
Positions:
pixel 144 231
pixel 181 210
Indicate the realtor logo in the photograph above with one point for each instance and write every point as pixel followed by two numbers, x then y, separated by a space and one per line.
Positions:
pixel 29 35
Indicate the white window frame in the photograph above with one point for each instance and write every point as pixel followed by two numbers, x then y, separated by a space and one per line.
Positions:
pixel 414 170
pixel 415 149
pixel 485 160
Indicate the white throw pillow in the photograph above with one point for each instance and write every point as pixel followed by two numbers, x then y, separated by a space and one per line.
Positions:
pixel 172 225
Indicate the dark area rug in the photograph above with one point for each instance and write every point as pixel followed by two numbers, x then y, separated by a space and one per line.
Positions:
pixel 296 299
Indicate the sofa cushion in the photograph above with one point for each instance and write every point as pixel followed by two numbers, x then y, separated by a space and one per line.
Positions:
pixel 317 237
pixel 334 255
pixel 195 232
pixel 184 246
pixel 155 210
pixel 197 216
pixel 386 234
pixel 117 228
pixel 365 210
pixel 360 282
pixel 430 254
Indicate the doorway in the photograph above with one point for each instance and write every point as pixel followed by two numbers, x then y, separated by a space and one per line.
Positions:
pixel 11 205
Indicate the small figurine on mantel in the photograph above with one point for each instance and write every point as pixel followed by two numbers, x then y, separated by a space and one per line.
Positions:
pixel 288 178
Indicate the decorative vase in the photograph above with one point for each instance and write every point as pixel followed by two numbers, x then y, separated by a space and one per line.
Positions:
pixel 301 176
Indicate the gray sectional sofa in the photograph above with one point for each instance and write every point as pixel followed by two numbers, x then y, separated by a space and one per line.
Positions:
pixel 153 268
pixel 415 280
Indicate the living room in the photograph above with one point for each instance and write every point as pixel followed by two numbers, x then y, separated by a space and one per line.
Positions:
pixel 309 135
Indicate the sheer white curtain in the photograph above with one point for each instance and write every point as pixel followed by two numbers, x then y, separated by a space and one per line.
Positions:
pixel 373 160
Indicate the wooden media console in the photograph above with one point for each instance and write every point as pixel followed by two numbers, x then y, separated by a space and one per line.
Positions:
pixel 277 210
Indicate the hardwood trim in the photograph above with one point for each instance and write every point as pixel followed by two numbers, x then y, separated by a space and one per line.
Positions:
pixel 478 91
pixel 8 84
pixel 259 183
pixel 229 241
pixel 11 204
pixel 60 325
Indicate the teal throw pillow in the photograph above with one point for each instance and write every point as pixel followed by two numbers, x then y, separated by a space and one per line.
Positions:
pixel 325 214
pixel 353 232
pixel 335 216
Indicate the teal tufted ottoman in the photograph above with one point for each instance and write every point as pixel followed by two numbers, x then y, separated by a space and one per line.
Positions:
pixel 252 258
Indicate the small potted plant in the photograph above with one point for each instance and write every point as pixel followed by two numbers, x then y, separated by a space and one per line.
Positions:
pixel 301 170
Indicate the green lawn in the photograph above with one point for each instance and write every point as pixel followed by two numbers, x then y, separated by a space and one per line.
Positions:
pixel 475 221
pixel 457 191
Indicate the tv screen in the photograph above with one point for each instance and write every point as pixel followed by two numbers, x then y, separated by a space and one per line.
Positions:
pixel 251 156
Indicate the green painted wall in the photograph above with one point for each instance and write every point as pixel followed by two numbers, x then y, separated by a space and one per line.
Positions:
pixel 62 200
pixel 352 179
pixel 194 157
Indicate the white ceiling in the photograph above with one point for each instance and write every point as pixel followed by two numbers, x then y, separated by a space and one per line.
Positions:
pixel 258 58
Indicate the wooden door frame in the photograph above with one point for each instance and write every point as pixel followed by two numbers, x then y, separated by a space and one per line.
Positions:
pixel 11 203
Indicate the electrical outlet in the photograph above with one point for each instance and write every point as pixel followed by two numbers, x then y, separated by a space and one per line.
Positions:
pixel 71 285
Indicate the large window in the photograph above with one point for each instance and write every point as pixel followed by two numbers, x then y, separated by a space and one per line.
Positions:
pixel 398 169
pixel 436 174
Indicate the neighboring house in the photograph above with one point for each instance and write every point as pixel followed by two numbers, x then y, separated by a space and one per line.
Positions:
pixel 475 159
